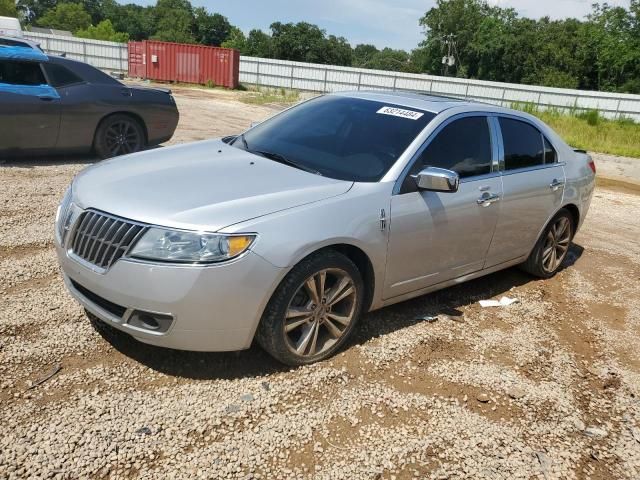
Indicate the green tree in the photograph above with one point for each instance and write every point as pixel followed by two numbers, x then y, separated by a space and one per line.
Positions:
pixel 134 20
pixel 103 31
pixel 66 16
pixel 210 29
pixel 336 51
pixel 363 54
pixel 259 44
pixel 174 21
pixel 8 8
pixel 237 40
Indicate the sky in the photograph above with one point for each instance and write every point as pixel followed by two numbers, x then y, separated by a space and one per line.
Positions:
pixel 383 23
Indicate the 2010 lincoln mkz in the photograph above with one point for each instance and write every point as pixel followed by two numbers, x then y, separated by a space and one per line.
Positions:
pixel 290 232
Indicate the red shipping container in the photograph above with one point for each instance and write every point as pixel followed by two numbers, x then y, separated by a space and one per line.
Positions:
pixel 181 62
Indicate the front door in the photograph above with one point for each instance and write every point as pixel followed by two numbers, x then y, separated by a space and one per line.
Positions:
pixel 29 109
pixel 533 183
pixel 434 236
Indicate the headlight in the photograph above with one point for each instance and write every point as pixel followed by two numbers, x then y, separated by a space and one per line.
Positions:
pixel 189 247
pixel 61 213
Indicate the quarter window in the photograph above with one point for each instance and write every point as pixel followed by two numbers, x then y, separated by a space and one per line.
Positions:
pixel 60 76
pixel 522 144
pixel 463 146
pixel 550 155
pixel 21 73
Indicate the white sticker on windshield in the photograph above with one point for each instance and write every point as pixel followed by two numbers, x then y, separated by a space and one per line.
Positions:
pixel 399 112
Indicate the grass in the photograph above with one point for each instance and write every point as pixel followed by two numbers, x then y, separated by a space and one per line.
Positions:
pixel 590 131
pixel 261 96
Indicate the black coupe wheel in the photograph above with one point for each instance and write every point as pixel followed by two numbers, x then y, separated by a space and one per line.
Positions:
pixel 119 135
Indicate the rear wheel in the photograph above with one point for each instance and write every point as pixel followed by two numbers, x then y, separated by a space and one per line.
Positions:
pixel 119 135
pixel 313 311
pixel 552 246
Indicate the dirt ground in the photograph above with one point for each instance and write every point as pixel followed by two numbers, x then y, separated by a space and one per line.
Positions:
pixel 547 388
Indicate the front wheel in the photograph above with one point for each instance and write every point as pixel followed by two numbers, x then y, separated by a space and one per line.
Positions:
pixel 552 246
pixel 119 135
pixel 313 311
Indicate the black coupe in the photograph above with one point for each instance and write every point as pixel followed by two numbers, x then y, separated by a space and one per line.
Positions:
pixel 53 104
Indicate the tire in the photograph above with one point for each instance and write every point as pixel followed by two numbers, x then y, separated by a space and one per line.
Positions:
pixel 557 236
pixel 323 325
pixel 119 135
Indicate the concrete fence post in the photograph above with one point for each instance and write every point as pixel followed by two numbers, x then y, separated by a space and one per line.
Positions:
pixel 326 72
pixel 258 73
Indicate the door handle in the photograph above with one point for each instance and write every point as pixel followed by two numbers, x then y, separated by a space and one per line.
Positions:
pixel 487 199
pixel 45 98
pixel 556 184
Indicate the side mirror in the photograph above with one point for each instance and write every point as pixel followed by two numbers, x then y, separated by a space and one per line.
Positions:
pixel 437 180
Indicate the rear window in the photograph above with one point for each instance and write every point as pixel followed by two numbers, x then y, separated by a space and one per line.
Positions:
pixel 522 144
pixel 86 72
pixel 21 73
pixel 60 76
pixel 341 137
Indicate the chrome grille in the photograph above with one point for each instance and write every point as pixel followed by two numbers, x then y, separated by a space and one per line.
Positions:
pixel 102 239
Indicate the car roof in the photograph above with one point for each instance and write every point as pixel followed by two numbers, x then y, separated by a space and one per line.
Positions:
pixel 9 40
pixel 426 102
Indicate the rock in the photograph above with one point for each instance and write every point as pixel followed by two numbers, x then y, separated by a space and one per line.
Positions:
pixel 545 463
pixel 483 398
pixel 516 393
pixel 579 424
pixel 265 386
pixel 144 431
pixel 247 397
pixel 232 408
pixel 595 432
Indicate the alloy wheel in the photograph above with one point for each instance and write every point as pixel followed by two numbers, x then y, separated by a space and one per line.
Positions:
pixel 556 244
pixel 320 312
pixel 122 137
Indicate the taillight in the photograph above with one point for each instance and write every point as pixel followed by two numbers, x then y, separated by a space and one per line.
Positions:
pixel 592 166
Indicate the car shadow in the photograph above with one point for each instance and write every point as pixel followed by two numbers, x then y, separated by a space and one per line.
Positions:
pixel 36 160
pixel 255 362
pixel 46 161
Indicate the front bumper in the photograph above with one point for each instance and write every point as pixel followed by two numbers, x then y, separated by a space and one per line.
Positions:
pixel 213 308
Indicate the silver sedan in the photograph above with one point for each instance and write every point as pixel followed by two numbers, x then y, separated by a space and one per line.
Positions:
pixel 343 204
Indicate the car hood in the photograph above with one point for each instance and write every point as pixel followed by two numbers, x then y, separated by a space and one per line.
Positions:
pixel 203 186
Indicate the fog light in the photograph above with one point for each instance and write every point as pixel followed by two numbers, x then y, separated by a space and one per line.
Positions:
pixel 153 322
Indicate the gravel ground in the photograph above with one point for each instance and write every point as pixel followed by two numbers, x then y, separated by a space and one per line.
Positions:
pixel 546 388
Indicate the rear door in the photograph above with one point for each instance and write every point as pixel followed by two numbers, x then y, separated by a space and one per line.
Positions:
pixel 434 236
pixel 29 110
pixel 533 183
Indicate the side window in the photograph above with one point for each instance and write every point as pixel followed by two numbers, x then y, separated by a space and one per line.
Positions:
pixel 463 146
pixel 522 144
pixel 21 73
pixel 550 154
pixel 60 76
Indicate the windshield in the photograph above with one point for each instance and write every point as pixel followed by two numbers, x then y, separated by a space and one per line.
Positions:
pixel 339 137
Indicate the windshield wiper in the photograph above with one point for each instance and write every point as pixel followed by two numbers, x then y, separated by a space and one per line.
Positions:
pixel 282 159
